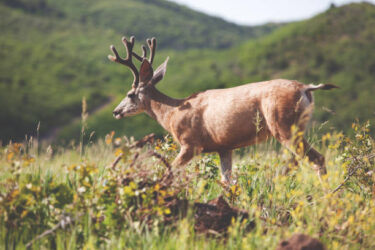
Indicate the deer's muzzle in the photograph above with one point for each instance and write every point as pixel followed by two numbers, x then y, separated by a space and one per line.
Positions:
pixel 117 114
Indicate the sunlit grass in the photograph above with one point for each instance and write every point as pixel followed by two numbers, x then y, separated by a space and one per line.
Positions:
pixel 38 188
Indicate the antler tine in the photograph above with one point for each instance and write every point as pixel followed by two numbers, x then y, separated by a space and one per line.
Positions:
pixel 128 60
pixel 144 54
pixel 152 45
pixel 129 47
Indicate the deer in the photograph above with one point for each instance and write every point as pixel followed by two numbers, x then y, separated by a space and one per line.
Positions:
pixel 221 120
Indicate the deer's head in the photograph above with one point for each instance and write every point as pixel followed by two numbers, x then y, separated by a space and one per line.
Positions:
pixel 136 99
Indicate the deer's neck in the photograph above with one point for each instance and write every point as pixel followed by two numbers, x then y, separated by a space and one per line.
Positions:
pixel 160 107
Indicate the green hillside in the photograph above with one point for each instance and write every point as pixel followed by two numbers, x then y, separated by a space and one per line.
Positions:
pixel 45 71
pixel 54 53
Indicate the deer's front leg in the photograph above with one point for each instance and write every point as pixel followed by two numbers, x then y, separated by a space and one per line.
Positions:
pixel 226 165
pixel 185 155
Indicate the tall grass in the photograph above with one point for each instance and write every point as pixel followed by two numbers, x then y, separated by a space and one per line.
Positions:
pixel 40 191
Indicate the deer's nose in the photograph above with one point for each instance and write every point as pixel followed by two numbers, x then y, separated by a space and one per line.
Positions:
pixel 116 112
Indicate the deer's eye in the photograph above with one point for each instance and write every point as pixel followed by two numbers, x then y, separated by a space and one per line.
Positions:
pixel 131 96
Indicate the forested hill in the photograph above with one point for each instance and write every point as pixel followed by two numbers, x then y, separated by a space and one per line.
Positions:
pixel 54 53
pixel 176 26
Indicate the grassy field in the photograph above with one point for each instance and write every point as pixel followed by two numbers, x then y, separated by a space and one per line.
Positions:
pixel 68 198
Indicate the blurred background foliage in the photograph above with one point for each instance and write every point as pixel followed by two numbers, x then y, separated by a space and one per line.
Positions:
pixel 54 53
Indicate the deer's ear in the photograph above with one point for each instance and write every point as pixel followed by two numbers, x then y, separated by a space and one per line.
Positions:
pixel 146 72
pixel 160 72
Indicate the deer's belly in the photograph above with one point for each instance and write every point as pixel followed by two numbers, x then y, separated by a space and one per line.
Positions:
pixel 236 136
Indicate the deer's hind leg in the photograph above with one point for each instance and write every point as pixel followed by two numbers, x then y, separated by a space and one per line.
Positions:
pixel 281 129
pixel 300 147
pixel 315 157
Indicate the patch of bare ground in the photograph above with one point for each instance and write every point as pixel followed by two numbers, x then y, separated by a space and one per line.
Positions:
pixel 300 242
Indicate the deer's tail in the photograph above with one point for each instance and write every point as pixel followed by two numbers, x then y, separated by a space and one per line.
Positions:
pixel 312 87
pixel 307 102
